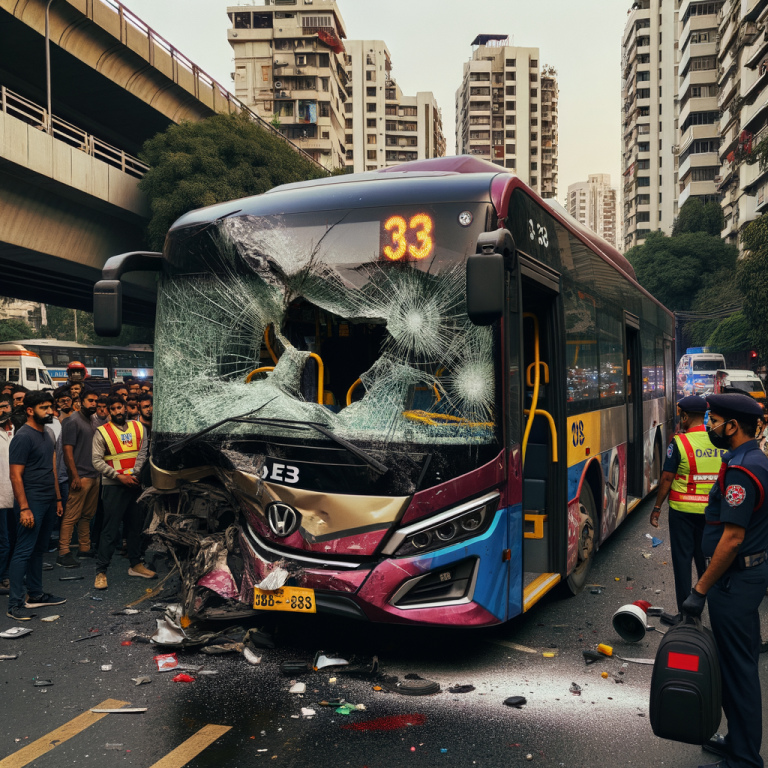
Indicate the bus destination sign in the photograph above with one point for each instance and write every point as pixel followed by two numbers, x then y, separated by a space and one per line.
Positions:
pixel 407 239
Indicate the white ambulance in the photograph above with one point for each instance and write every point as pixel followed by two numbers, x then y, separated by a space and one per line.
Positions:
pixel 20 366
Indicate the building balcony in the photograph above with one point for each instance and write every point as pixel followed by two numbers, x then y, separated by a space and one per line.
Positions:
pixel 701 160
pixel 697 132
pixel 695 50
pixel 707 104
pixel 696 189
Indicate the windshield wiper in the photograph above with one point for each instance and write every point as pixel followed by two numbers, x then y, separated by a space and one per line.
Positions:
pixel 184 442
pixel 323 430
pixel 247 418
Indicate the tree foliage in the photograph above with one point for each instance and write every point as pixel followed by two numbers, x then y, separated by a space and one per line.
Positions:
pixel 13 329
pixel 697 216
pixel 732 334
pixel 224 157
pixel 61 326
pixel 752 278
pixel 674 268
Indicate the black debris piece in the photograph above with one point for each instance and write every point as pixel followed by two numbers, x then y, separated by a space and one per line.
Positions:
pixel 461 689
pixel 292 668
pixel 516 701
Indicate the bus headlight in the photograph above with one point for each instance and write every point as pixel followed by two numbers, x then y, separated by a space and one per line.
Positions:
pixel 450 527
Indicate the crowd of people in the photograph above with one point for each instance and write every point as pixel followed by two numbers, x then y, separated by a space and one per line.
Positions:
pixel 70 466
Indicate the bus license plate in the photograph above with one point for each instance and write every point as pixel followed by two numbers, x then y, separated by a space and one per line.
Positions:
pixel 292 599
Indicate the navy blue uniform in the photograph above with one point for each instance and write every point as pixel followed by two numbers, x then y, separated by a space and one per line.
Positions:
pixel 739 498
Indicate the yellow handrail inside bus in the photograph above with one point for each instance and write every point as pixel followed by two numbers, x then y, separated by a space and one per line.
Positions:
pixel 258 370
pixel 269 346
pixel 320 376
pixel 552 429
pixel 444 419
pixel 528 373
pixel 351 390
pixel 536 378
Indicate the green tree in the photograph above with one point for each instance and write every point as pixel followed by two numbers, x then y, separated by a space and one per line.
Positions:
pixel 752 277
pixel 224 157
pixel 674 269
pixel 61 326
pixel 718 289
pixel 732 334
pixel 697 216
pixel 13 329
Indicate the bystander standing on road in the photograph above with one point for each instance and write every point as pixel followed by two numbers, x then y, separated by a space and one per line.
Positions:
pixel 6 491
pixel 689 472
pixel 121 390
pixel 63 400
pixel 101 417
pixel 116 448
pixel 61 468
pixel 18 412
pixel 7 388
pixel 145 411
pixel 77 441
pixel 132 407
pixel 36 503
pixel 134 387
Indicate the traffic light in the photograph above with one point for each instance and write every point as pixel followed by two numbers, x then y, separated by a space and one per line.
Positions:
pixel 753 355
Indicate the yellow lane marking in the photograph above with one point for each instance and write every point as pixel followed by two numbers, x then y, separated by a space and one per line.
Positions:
pixel 192 747
pixel 51 740
pixel 538 588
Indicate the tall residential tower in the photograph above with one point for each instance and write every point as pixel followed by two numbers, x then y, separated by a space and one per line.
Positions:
pixel 593 203
pixel 506 111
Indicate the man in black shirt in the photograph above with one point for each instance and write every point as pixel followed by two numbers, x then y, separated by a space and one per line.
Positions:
pixel 37 501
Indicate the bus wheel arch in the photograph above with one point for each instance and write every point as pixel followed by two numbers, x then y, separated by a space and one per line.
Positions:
pixel 590 514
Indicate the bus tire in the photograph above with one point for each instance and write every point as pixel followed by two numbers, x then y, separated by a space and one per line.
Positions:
pixel 587 541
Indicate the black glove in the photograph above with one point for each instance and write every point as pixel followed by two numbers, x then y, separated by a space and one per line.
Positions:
pixel 694 604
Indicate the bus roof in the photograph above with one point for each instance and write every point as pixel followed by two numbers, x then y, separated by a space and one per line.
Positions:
pixel 74 344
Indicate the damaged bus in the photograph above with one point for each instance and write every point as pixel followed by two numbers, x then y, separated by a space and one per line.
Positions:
pixel 420 395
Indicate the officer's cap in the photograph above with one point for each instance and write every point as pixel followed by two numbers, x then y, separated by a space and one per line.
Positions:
pixel 734 406
pixel 693 404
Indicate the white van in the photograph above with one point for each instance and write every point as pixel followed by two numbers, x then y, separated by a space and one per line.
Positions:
pixel 20 366
pixel 747 381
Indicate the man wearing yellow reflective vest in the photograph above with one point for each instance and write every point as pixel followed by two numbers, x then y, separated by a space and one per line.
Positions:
pixel 119 451
pixel 690 470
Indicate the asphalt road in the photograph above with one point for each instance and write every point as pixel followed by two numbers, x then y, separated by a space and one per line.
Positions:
pixel 607 725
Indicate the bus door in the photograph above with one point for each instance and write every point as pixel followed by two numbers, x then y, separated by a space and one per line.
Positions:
pixel 633 369
pixel 544 397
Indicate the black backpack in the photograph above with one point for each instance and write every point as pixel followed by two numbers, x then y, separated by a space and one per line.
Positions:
pixel 686 690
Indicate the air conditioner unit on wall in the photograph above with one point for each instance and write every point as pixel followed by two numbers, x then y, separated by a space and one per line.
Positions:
pixel 278 85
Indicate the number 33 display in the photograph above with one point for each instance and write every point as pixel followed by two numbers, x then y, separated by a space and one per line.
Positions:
pixel 408 237
pixel 537 229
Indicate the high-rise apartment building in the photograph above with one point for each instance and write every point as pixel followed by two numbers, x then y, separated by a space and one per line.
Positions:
pixel 593 203
pixel 506 111
pixel 649 119
pixel 742 55
pixel 289 68
pixel 383 127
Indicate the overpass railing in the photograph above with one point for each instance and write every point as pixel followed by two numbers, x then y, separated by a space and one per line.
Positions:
pixel 33 114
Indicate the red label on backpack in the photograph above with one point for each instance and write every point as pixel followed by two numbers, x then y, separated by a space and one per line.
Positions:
pixel 686 661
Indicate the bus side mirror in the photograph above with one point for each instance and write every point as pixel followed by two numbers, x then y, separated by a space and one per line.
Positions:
pixel 485 277
pixel 108 307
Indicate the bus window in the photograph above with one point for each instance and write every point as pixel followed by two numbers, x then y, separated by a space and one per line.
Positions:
pixel 47 357
pixel 62 357
pixel 650 382
pixel 611 351
pixel 660 378
pixel 30 374
pixel 581 350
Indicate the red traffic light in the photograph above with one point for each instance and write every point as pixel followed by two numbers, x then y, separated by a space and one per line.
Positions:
pixel 753 354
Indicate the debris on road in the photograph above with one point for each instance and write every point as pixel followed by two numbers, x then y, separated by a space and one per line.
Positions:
pixel 124 611
pixel 650 662
pixel 575 689
pixel 116 747
pixel 106 667
pixel 51 618
pixel 294 667
pixel 15 632
pixel 604 675
pixel 42 683
pixel 126 711
pixel 461 689
pixel 183 678
pixel 8 656
pixel 606 650
pixel 85 637
pixel 251 657
pixel 415 687
pixel 141 680
pixel 647 555
pixel 298 688
pixel 516 701
pixel 71 578
pixel 306 712
pixel 166 662
pixel 590 657
pixel 208 672
pixel 654 540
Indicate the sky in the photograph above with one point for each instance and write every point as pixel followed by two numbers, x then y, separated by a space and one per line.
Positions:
pixel 430 40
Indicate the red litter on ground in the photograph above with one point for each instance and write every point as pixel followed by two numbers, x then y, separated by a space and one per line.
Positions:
pixel 166 661
pixel 126 642
pixel 182 678
pixel 392 723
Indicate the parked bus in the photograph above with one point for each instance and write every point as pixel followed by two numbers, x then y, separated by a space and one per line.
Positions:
pixel 431 393
pixel 113 363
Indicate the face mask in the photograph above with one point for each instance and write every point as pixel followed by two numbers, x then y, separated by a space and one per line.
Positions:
pixel 4 417
pixel 43 419
pixel 119 419
pixel 719 441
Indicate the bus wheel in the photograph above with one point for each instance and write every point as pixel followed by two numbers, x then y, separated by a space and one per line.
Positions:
pixel 586 542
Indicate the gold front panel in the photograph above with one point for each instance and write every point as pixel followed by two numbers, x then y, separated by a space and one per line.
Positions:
pixel 324 515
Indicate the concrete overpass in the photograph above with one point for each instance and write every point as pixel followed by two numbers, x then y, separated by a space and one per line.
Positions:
pixel 68 182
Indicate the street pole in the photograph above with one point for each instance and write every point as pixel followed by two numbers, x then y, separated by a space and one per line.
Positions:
pixel 48 65
pixel 74 312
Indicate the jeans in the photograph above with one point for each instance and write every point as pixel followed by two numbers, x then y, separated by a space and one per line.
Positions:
pixel 5 544
pixel 120 505
pixel 31 545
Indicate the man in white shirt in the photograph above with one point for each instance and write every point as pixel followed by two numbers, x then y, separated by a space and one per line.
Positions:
pixel 6 491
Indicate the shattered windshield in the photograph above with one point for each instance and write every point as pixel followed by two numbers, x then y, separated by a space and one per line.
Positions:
pixel 352 319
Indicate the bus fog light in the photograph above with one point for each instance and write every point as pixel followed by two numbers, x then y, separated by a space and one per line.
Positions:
pixel 421 540
pixel 446 532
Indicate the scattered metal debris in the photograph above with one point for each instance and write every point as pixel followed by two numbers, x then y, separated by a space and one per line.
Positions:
pixel 15 632
pixel 141 680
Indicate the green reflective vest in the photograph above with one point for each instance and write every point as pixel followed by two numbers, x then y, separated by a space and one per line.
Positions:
pixel 699 467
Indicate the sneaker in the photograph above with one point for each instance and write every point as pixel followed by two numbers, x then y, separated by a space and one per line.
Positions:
pixel 142 570
pixel 101 581
pixel 67 561
pixel 43 600
pixel 87 553
pixel 18 613
pixel 717 746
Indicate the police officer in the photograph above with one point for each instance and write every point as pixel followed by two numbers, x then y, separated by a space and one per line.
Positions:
pixel 689 472
pixel 735 545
